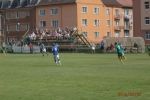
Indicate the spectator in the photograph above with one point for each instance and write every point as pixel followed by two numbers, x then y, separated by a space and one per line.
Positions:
pixel 135 46
pixel 33 36
pixel 102 45
pixel 4 48
pixel 93 46
pixel 31 47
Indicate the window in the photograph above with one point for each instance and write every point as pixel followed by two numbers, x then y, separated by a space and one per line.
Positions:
pixel 117 12
pixel 84 9
pixel 9 3
pixel 42 12
pixel 55 23
pixel 42 23
pixel 117 22
pixel 117 34
pixel 85 34
pixel 147 20
pixel 27 26
pixel 126 11
pixel 18 2
pixel 108 22
pixel 96 10
pixel 17 27
pixel 108 34
pixel 8 28
pixel 96 34
pixel 27 13
pixel 28 1
pixel 107 11
pixel 84 22
pixel 17 14
pixel 146 4
pixel 127 25
pixel 126 33
pixel 96 22
pixel 147 35
pixel 8 15
pixel 54 11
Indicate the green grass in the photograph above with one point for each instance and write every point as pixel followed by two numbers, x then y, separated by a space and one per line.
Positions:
pixel 81 77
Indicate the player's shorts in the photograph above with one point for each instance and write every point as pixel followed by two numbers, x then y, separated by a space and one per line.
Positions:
pixel 57 56
pixel 44 50
pixel 3 48
pixel 120 54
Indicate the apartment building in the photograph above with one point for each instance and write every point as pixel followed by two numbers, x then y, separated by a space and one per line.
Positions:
pixel 17 18
pixel 83 14
pixel 96 19
pixel 120 16
pixel 141 14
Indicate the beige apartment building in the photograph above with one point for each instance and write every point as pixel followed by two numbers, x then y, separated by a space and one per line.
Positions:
pixel 96 19
pixel 85 15
pixel 141 10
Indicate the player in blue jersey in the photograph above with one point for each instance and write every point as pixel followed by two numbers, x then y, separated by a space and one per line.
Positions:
pixel 55 51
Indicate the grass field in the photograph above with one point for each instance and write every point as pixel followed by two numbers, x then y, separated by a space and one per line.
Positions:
pixel 80 77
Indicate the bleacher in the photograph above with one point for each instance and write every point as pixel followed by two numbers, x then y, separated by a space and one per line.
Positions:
pixel 72 41
pixel 67 42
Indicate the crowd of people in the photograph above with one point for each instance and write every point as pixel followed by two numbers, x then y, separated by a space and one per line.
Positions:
pixel 59 33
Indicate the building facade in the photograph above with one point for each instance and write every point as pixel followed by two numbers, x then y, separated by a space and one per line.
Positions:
pixel 96 19
pixel 121 16
pixel 83 14
pixel 17 18
pixel 141 10
pixel 18 22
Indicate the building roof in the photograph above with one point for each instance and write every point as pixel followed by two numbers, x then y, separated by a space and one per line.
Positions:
pixel 126 3
pixel 46 2
pixel 29 3
pixel 111 2
pixel 5 4
pixel 118 3
pixel 18 3
pixel 0 4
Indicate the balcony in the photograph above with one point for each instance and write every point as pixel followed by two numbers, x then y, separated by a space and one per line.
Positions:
pixel 117 17
pixel 127 28
pixel 117 28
